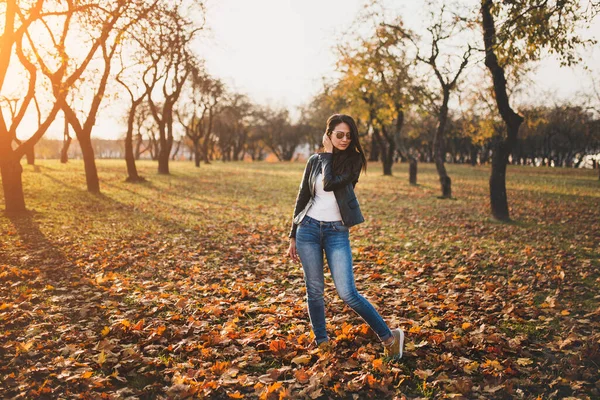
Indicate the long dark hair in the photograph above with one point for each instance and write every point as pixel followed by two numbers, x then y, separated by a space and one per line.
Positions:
pixel 352 159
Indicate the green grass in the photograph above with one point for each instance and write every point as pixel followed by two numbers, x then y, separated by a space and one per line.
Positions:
pixel 201 252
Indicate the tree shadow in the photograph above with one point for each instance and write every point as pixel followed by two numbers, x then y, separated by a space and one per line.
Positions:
pixel 44 167
pixel 62 182
pixel 148 198
pixel 39 251
pixel 58 289
pixel 108 201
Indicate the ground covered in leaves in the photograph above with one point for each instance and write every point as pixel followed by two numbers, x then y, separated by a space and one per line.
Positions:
pixel 179 287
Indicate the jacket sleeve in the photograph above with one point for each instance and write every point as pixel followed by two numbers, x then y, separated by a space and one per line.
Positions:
pixel 333 182
pixel 303 195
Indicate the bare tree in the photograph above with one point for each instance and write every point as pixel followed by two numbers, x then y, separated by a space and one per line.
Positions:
pixel 17 20
pixel 146 132
pixel 198 113
pixel 280 136
pixel 232 127
pixel 171 60
pixel 106 21
pixel 441 29
pixel 137 94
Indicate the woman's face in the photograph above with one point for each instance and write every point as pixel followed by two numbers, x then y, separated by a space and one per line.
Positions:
pixel 341 129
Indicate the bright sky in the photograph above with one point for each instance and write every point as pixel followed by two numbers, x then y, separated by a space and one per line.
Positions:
pixel 277 52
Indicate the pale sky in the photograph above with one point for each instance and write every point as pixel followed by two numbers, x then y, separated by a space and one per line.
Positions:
pixel 277 51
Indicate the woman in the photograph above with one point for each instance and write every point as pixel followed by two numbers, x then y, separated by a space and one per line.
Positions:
pixel 326 207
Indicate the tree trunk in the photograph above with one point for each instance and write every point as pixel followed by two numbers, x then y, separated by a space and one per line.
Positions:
pixel 205 147
pixel 439 152
pixel 155 149
pixel 164 150
pixel 412 170
pixel 238 148
pixel 132 174
pixel 498 197
pixel 176 150
pixel 446 183
pixel 64 153
pixel 138 146
pixel 30 155
pixel 388 162
pixel 163 162
pixel 502 147
pixel 89 162
pixel 197 155
pixel 501 151
pixel 374 155
pixel 12 183
pixel 387 149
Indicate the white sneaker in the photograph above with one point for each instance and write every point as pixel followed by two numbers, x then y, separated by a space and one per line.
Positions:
pixel 394 350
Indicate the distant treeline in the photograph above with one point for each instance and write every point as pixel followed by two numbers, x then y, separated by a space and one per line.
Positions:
pixel 565 136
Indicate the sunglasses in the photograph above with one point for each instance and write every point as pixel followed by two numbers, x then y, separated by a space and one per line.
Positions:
pixel 341 134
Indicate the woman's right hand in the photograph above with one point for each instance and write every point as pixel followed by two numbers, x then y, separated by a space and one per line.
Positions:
pixel 327 143
pixel 292 253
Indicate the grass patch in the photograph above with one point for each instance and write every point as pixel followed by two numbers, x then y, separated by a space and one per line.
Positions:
pixel 195 262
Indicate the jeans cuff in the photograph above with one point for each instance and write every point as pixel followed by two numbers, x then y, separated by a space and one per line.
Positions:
pixel 386 336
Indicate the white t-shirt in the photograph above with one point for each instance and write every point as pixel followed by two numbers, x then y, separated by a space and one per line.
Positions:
pixel 325 207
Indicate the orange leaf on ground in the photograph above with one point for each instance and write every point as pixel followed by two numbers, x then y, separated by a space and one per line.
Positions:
pixel 277 346
pixel 378 365
pixel 301 376
pixel 139 326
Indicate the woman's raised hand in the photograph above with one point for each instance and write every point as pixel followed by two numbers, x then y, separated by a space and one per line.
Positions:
pixel 292 253
pixel 327 144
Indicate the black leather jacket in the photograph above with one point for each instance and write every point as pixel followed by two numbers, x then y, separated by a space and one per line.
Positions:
pixel 341 185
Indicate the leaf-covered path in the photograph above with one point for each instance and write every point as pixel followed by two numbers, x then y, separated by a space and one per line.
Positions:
pixel 179 288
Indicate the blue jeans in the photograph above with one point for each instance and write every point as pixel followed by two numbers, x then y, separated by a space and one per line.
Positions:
pixel 312 237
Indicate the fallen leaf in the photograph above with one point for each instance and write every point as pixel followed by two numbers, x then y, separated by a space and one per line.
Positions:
pixel 301 359
pixel 101 358
pixel 471 367
pixel 301 376
pixel 423 374
pixel 524 361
